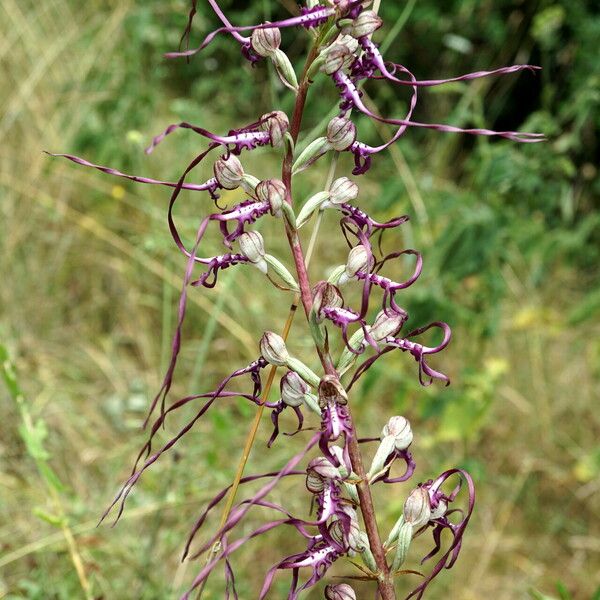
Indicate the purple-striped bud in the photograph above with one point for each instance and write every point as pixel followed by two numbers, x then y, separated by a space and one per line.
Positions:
pixel 276 124
pixel 319 471
pixel 252 246
pixel 293 389
pixel 341 591
pixel 417 508
pixel 399 428
pixel 229 172
pixel 358 261
pixel 265 41
pixel 337 57
pixel 342 190
pixel 273 192
pixel 314 483
pixel 367 23
pixel 273 349
pixel 349 539
pixel 348 41
pixel 386 323
pixel 340 54
pixel 341 133
pixel 325 295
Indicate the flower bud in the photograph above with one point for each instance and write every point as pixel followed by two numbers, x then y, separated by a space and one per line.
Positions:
pixel 351 538
pixel 273 192
pixel 341 591
pixel 342 190
pixel 417 508
pixel 337 56
pixel 348 41
pixel 341 133
pixel 265 41
pixel 398 428
pixel 367 23
pixel 252 247
pixel 229 172
pixel 331 391
pixel 273 349
pixel 293 389
pixel 276 124
pixel 358 261
pixel 315 484
pixel 326 295
pixel 386 323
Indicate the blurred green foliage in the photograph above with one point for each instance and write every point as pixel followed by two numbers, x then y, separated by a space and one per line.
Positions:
pixel 511 240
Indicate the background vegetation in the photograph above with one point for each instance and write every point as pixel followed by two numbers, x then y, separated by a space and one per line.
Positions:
pixel 90 277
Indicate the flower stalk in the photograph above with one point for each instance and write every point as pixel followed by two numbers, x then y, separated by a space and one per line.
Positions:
pixel 385 585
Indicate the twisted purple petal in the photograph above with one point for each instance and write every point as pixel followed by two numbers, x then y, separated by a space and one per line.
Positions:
pixel 309 18
pixel 209 185
pixel 351 95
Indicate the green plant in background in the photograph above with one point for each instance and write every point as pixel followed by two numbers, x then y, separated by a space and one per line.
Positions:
pixel 34 433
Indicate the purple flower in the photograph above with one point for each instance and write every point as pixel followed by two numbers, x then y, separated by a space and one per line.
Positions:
pixel 335 421
pixel 267 130
pixel 439 519
pixel 293 391
pixel 319 557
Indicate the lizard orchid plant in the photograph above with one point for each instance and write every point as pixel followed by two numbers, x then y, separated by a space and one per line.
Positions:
pixel 337 481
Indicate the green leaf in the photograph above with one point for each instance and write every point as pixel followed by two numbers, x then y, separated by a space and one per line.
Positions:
pixel 562 591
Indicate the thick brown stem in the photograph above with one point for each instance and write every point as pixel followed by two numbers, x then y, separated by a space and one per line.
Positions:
pixel 385 584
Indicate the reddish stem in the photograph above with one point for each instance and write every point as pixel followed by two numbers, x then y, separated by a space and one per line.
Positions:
pixel 385 584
